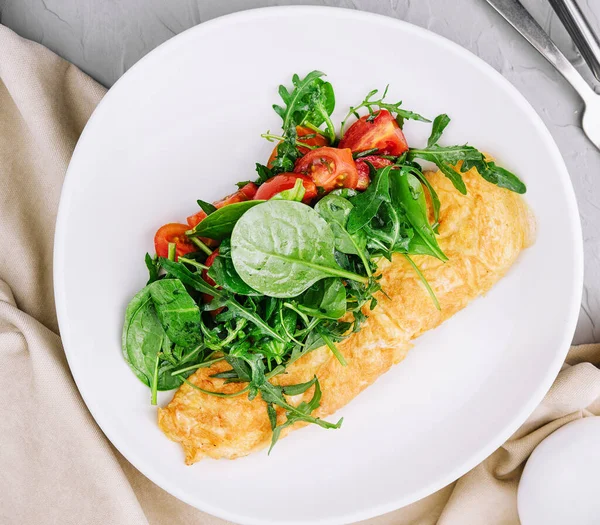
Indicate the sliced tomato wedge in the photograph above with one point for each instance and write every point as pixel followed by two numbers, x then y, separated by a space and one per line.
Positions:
pixel 245 193
pixel 364 178
pixel 329 168
pixel 173 232
pixel 381 132
pixel 286 181
pixel 317 140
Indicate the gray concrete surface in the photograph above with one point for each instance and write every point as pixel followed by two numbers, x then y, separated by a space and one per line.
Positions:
pixel 105 37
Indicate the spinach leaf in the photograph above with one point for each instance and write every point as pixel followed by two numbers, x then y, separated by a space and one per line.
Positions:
pixel 439 125
pixel 144 339
pixel 223 273
pixel 177 311
pixel 206 207
pixel 407 195
pixel 325 299
pixel 143 335
pixel 367 204
pixel 280 248
pixel 219 224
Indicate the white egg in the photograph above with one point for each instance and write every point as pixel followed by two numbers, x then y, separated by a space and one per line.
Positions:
pixel 561 481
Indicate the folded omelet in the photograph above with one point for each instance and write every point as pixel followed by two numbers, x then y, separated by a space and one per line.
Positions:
pixel 482 233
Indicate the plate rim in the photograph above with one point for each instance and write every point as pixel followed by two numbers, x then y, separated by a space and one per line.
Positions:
pixel 475 457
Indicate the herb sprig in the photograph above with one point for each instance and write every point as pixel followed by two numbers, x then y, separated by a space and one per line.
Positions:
pixel 374 105
pixel 310 103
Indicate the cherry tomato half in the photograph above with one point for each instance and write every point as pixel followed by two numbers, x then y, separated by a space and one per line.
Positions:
pixel 245 193
pixel 286 181
pixel 329 168
pixel 173 232
pixel 381 132
pixel 317 140
pixel 364 178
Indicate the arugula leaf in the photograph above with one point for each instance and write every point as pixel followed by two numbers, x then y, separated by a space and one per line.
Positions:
pixel 297 104
pixel 240 367
pixel 388 231
pixel 153 268
pixel 325 299
pixel 322 104
pixel 264 173
pixel 415 169
pixel 424 281
pixel 270 305
pixel 447 157
pixel 371 104
pixel 367 204
pixel 335 210
pixel 329 342
pixel 286 154
pixel 450 155
pixel 310 103
pixel 196 282
pixel 278 239
pixel 272 413
pixel 496 175
pixel 407 195
pixel 177 311
pixel 365 153
pixel 439 125
pixel 300 388
pixel 219 224
pixel 273 395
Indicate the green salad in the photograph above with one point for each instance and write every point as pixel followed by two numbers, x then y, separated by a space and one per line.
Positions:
pixel 288 263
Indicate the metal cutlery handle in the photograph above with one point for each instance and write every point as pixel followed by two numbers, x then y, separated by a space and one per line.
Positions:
pixel 514 12
pixel 582 34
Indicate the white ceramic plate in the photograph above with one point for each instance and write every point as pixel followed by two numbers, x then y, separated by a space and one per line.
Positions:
pixel 185 123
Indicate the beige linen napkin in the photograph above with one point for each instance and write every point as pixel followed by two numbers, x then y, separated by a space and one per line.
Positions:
pixel 56 466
